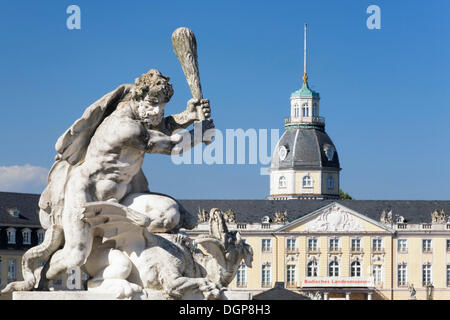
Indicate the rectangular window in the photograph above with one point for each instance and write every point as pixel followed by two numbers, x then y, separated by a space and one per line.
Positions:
pixel 377 274
pixel 312 244
pixel 26 237
pixel 448 245
pixel 291 245
pixel 241 276
pixel 266 245
pixel 266 275
pixel 402 275
pixel 334 244
pixel 290 275
pixel 448 275
pixel 377 244
pixel 402 245
pixel 426 245
pixel 12 270
pixel 11 236
pixel 356 245
pixel 426 274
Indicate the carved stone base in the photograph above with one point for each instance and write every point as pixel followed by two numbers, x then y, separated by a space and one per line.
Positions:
pixel 61 295
pixel 86 295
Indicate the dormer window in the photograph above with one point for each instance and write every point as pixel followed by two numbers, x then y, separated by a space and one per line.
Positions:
pixel 307 181
pixel 282 182
pixel 14 212
pixel 11 234
pixel 26 236
pixel 266 220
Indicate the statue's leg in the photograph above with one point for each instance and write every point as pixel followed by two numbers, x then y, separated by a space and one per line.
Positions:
pixel 163 211
pixel 176 286
pixel 78 235
pixel 112 278
pixel 77 246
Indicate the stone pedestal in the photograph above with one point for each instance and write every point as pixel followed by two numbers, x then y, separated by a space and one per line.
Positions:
pixel 61 295
pixel 86 295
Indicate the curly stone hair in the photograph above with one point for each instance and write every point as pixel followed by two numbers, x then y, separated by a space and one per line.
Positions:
pixel 152 83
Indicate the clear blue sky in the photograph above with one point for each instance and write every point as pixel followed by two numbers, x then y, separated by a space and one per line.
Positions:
pixel 385 93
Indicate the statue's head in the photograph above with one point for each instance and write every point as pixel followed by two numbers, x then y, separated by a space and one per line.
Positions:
pixel 151 92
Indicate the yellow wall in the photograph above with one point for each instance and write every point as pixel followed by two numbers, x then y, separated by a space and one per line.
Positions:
pixel 389 257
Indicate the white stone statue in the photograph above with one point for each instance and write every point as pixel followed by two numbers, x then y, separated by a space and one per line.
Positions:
pixel 135 263
pixel 412 292
pixel 98 209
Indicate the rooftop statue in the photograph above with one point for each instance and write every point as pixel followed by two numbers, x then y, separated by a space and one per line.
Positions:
pixel 99 213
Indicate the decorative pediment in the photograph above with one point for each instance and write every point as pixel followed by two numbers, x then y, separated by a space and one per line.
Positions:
pixel 334 218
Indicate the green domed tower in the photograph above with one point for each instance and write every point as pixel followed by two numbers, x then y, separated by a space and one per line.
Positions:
pixel 305 164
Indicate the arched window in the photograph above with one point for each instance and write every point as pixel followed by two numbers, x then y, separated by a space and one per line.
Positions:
pixel 311 268
pixel 314 110
pixel 355 269
pixel 296 110
pixel 330 182
pixel 282 182
pixel 333 269
pixel 307 181
pixel 305 110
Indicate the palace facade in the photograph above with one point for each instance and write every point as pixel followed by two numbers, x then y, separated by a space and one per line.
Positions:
pixel 335 249
pixel 341 249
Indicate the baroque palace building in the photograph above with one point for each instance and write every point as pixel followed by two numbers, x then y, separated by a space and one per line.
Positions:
pixel 339 249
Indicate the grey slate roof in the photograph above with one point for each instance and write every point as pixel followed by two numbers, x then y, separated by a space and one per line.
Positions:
pixel 306 150
pixel 248 211
pixel 26 203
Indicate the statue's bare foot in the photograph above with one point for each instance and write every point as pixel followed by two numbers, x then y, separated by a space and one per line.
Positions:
pixel 121 288
pixel 18 286
pixel 210 290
